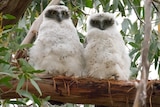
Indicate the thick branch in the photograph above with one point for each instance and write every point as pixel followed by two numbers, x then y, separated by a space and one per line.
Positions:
pixel 88 91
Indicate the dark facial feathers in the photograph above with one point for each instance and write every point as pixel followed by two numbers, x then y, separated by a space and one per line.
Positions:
pixel 102 24
pixel 57 15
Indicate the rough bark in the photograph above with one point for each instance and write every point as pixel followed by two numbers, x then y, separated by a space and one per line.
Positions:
pixel 13 7
pixel 88 91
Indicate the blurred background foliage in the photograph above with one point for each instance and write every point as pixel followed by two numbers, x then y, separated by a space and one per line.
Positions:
pixel 130 20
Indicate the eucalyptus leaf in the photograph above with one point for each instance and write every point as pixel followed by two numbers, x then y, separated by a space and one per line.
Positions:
pixel 36 86
pixel 26 94
pixel 8 16
pixel 4 62
pixel 3 49
pixel 89 3
pixel 25 46
pixel 121 8
pixel 6 81
pixel 20 83
pixel 36 100
pixel 115 5
pixel 17 102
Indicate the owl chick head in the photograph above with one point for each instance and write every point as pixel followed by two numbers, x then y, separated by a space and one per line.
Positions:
pixel 57 13
pixel 101 21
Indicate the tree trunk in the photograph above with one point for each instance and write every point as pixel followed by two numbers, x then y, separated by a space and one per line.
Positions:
pixel 13 7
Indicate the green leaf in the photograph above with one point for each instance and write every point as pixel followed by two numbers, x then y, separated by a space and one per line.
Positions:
pixel 8 27
pixel 137 56
pixel 36 86
pixel 152 51
pixel 21 83
pixel 121 8
pixel 134 71
pixel 8 16
pixel 135 45
pixel 16 102
pixel 36 100
pixel 134 28
pixel 25 46
pixel 159 70
pixel 156 60
pixel 26 67
pixel 4 62
pixel 37 71
pixel 137 4
pixel 82 37
pixel 133 52
pixel 138 38
pixel 126 24
pixel 25 94
pixel 89 3
pixel 3 49
pixel 105 4
pixel 6 81
pixel 115 5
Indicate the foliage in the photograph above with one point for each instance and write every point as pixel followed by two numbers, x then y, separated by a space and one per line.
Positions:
pixel 131 30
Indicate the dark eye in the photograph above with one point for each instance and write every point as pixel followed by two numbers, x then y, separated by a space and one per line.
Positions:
pixel 94 22
pixel 64 13
pixel 52 12
pixel 109 22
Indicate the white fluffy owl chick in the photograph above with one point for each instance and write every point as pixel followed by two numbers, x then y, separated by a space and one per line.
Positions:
pixel 105 53
pixel 57 49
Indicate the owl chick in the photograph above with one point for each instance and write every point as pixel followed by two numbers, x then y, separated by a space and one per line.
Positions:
pixel 105 53
pixel 57 49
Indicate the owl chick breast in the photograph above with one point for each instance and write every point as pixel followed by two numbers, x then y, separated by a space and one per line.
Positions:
pixel 57 49
pixel 105 53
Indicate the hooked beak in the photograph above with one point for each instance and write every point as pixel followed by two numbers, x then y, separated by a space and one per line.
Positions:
pixel 59 19
pixel 102 26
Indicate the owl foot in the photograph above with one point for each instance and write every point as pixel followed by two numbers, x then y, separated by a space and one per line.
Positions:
pixel 59 77
pixel 115 77
pixel 66 80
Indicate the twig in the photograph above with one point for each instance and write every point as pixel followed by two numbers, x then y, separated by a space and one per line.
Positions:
pixel 35 26
pixel 141 94
pixel 155 7
pixel 134 8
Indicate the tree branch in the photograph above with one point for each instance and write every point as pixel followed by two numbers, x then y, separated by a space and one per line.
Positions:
pixel 141 94
pixel 110 93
